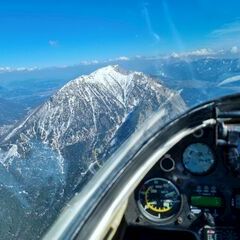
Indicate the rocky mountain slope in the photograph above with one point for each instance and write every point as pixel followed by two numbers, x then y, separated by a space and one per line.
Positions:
pixel 199 78
pixel 48 156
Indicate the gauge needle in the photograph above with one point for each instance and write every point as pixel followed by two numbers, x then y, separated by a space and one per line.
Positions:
pixel 170 194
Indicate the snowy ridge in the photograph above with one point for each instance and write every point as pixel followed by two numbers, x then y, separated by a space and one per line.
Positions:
pixel 55 150
pixel 94 113
pixel 114 80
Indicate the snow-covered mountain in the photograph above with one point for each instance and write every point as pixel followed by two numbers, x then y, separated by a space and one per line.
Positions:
pixel 56 147
pixel 200 75
pixel 90 112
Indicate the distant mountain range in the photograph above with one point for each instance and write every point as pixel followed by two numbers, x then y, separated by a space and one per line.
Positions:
pixel 47 157
pixel 199 72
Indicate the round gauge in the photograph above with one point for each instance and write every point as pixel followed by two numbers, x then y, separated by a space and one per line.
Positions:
pixel 198 158
pixel 159 200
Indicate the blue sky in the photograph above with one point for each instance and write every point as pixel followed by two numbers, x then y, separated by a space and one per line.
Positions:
pixel 58 32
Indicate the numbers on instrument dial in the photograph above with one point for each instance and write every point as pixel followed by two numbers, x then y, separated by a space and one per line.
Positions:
pixel 159 199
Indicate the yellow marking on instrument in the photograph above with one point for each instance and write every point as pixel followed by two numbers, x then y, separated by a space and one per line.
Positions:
pixel 159 210
pixel 153 208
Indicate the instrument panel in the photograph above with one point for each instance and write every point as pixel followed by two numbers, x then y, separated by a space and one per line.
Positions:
pixel 196 184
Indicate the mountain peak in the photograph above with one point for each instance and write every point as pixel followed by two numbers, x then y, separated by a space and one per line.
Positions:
pixel 113 79
pixel 110 69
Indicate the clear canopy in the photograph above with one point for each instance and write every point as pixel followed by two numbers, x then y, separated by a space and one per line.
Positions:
pixel 59 125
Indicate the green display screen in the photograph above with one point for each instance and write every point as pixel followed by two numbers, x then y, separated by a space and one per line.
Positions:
pixel 206 201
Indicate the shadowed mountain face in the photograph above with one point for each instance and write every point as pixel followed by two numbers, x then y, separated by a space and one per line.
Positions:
pixel 46 158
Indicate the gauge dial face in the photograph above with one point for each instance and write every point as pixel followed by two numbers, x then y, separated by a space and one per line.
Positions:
pixel 198 158
pixel 159 200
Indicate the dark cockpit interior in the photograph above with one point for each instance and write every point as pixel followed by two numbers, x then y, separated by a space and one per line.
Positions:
pixel 193 191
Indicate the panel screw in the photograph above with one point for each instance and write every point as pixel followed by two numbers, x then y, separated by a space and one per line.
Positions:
pixel 179 220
